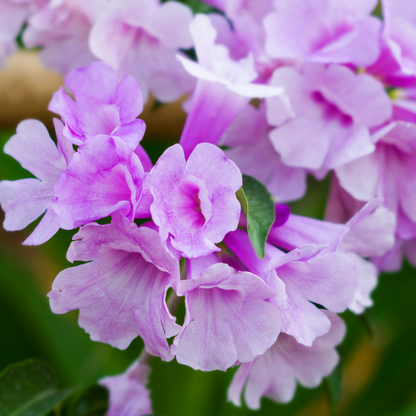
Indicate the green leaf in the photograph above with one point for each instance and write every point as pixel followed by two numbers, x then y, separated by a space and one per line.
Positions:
pixel 29 389
pixel 257 203
pixel 333 385
pixel 196 6
pixel 90 401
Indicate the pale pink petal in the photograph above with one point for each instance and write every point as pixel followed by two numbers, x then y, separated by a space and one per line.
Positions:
pixel 367 278
pixel 128 393
pixel 97 183
pixel 328 279
pixel 65 147
pixel 121 293
pixel 194 204
pixel 33 148
pixel 360 177
pixel 275 373
pixel 172 18
pixel 221 106
pixel 210 164
pixel 229 319
pixel 371 231
pixel 24 201
pixel 45 230
pixel 323 30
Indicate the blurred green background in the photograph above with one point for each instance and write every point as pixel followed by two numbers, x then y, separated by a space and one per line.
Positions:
pixel 378 371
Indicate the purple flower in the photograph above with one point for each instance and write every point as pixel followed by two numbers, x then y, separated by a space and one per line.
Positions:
pixel 275 373
pixel 194 201
pixel 103 177
pixel 224 86
pixel 25 200
pixel 253 152
pixel 228 316
pixel 368 233
pixel 389 173
pixel 141 38
pixel 330 118
pixel 128 393
pixel 62 29
pixel 299 278
pixel 327 31
pixel 13 13
pixel 121 291
pixel 247 25
pixel 102 105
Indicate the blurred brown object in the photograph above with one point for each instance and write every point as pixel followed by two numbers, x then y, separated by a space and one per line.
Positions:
pixel 165 123
pixel 26 88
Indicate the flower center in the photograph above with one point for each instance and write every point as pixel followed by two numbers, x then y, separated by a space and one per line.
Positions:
pixel 189 206
pixel 330 111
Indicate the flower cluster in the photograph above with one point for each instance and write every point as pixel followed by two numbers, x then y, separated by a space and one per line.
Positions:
pixel 337 96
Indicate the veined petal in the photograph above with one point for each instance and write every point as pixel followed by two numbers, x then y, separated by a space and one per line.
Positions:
pixel 24 201
pixel 121 292
pixel 33 148
pixel 275 373
pixel 228 319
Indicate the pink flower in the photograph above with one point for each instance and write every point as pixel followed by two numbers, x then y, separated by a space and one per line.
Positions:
pixel 228 316
pixel 388 172
pixel 329 121
pixel 141 38
pixel 299 278
pixel 13 14
pixel 62 28
pixel 194 201
pixel 104 177
pixel 102 106
pixel 368 233
pixel 275 373
pixel 224 87
pixel 247 25
pixel 327 31
pixel 121 291
pixel 253 152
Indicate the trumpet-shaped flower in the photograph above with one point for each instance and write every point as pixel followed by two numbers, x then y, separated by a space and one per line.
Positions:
pixel 327 31
pixel 224 87
pixel 389 173
pixel 228 316
pixel 368 233
pixel 194 201
pixel 62 29
pixel 299 278
pixel 330 118
pixel 102 105
pixel 141 38
pixel 121 291
pixel 275 373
